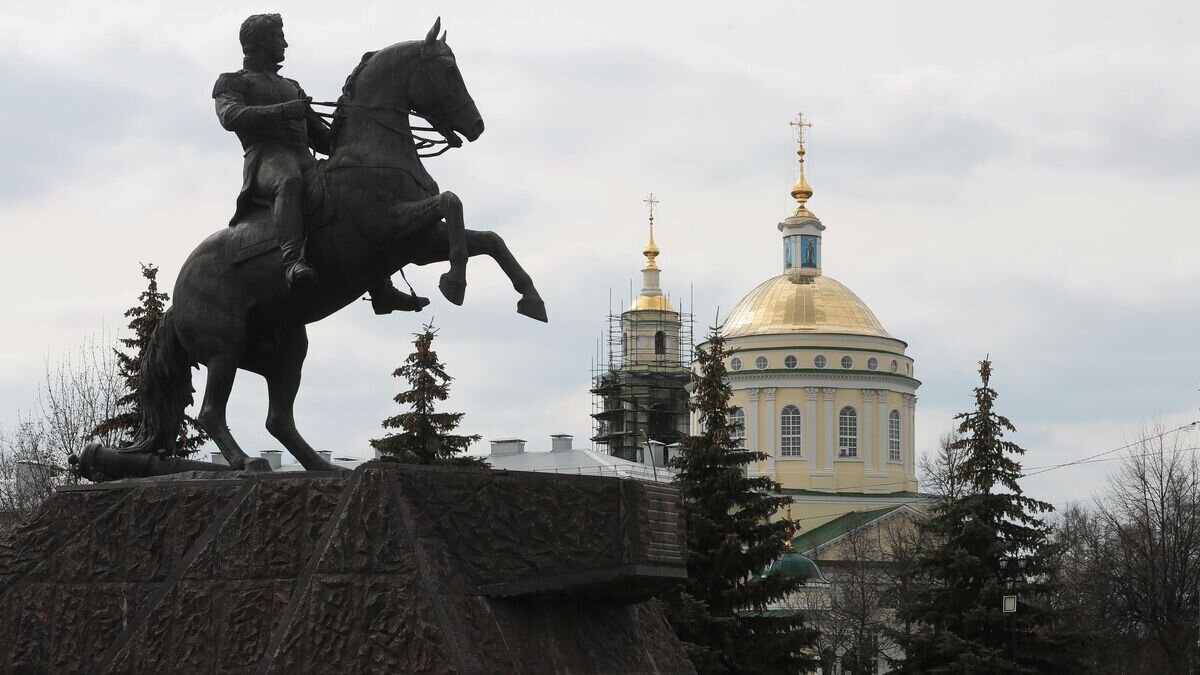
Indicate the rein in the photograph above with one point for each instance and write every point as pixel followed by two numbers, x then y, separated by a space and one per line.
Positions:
pixel 422 142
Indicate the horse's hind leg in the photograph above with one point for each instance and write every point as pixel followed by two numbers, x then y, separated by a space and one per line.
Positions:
pixel 221 372
pixel 283 381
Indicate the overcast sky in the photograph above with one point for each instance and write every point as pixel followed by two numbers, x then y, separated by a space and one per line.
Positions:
pixel 1016 179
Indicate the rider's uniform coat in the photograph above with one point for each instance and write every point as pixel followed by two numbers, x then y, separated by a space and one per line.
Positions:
pixel 248 103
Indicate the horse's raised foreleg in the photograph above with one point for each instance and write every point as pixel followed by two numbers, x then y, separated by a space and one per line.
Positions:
pixel 453 284
pixel 443 214
pixel 221 372
pixel 490 244
pixel 283 381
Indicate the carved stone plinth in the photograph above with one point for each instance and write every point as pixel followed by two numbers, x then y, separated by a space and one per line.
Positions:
pixel 392 568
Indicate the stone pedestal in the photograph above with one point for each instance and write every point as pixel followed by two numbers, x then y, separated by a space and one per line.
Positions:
pixel 391 568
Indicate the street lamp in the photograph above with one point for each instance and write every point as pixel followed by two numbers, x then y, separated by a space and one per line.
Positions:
pixel 1008 603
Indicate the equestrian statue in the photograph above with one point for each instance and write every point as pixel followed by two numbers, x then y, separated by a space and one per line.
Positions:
pixel 308 238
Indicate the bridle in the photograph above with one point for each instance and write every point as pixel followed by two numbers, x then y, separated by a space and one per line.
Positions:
pixel 422 143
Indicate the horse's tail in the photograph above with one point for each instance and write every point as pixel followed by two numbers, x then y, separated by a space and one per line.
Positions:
pixel 165 390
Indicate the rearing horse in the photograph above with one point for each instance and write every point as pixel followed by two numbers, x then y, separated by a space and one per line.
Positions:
pixel 386 212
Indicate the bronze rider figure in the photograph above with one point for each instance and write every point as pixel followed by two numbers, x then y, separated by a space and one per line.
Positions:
pixel 276 126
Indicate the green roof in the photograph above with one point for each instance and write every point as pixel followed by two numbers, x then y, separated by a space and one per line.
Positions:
pixel 793 564
pixel 835 528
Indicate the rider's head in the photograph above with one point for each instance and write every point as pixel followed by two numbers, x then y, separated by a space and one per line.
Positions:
pixel 262 36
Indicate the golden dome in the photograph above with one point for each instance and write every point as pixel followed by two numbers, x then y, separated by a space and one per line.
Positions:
pixel 652 302
pixel 794 304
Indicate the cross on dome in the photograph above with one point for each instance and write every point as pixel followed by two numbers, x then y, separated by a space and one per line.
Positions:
pixel 800 124
pixel 651 251
pixel 801 191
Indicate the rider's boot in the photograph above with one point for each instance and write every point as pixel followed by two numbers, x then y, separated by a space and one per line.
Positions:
pixel 296 269
pixel 386 298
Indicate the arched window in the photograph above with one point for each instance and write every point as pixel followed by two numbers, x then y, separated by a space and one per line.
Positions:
pixel 894 436
pixel 789 431
pixel 848 432
pixel 660 343
pixel 737 424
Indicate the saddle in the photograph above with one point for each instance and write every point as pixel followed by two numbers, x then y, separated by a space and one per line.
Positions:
pixel 254 233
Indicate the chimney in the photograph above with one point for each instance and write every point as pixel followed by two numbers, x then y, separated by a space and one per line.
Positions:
pixel 508 446
pixel 273 457
pixel 326 455
pixel 218 458
pixel 658 454
pixel 560 442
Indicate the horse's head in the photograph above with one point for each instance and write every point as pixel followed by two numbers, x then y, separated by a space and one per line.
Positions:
pixel 420 76
pixel 436 90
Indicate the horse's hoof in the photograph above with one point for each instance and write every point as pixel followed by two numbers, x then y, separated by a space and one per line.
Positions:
pixel 452 289
pixel 533 308
pixel 256 464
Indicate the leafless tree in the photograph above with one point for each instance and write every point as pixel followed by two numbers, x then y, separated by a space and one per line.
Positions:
pixel 29 470
pixel 76 393
pixel 1131 567
pixel 855 610
pixel 940 472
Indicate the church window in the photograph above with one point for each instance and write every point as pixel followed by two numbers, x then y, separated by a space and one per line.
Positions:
pixel 789 361
pixel 894 365
pixel 737 426
pixel 760 362
pixel 872 363
pixel 735 363
pixel 847 362
pixel 789 431
pixel 819 360
pixel 848 432
pixel 894 436
pixel 660 343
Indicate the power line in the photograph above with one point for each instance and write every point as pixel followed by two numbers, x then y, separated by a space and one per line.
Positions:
pixel 1109 452
pixel 1053 467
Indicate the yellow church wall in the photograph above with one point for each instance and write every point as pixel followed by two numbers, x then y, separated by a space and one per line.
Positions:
pixel 820 467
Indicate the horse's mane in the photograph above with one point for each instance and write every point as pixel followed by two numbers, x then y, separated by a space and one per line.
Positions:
pixel 347 93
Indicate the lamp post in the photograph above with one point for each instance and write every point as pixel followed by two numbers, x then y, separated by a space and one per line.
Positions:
pixel 1008 603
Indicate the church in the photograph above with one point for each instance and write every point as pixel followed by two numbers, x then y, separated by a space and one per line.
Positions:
pixel 819 384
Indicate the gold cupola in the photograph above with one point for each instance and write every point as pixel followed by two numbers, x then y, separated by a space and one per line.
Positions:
pixel 801 230
pixel 651 296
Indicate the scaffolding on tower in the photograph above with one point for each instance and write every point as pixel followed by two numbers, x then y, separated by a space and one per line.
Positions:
pixel 639 381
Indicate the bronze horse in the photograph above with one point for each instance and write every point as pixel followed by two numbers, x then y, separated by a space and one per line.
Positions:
pixel 384 212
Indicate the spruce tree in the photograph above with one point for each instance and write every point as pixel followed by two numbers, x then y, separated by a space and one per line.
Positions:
pixel 718 613
pixel 424 435
pixel 143 319
pixel 953 609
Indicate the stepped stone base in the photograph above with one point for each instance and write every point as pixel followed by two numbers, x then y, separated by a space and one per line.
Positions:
pixel 391 568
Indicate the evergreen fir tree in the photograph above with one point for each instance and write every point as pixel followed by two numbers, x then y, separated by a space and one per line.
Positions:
pixel 144 318
pixel 954 606
pixel 717 613
pixel 424 436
